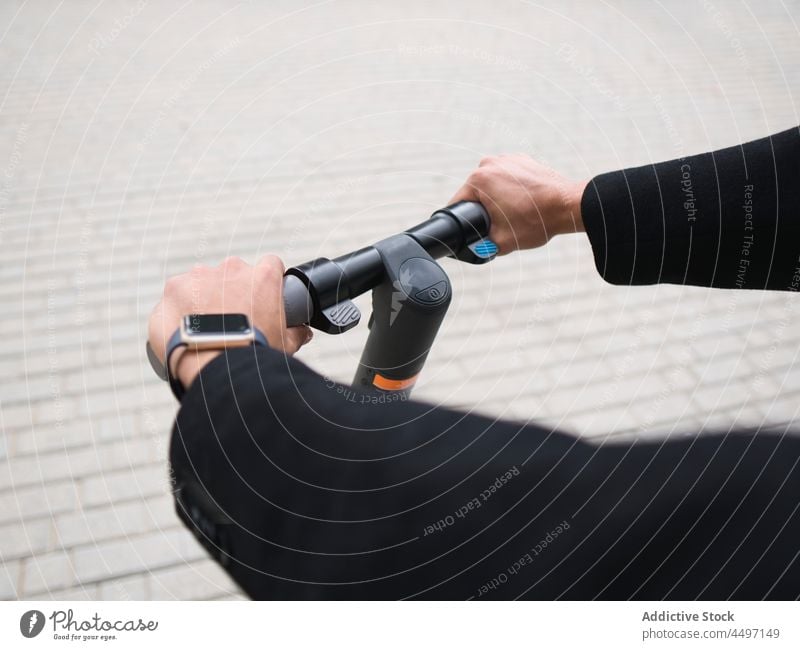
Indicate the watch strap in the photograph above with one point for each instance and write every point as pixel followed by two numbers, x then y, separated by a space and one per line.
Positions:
pixel 155 363
pixel 259 338
pixel 176 341
pixel 175 384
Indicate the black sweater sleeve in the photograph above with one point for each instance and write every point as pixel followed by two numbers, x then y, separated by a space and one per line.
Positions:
pixel 729 218
pixel 303 488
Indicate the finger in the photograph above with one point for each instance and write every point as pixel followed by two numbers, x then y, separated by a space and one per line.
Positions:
pixel 234 269
pixel 504 243
pixel 465 193
pixel 296 337
pixel 269 272
pixel 271 263
pixel 232 262
pixel 499 226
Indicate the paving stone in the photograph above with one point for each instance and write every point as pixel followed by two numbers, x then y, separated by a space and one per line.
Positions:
pixel 87 592
pixel 138 483
pixel 135 554
pixel 37 501
pixel 116 520
pixel 22 471
pixel 10 579
pixel 46 572
pixel 21 538
pixel 195 581
pixel 135 587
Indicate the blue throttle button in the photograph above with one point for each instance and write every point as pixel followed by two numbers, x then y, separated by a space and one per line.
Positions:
pixel 485 248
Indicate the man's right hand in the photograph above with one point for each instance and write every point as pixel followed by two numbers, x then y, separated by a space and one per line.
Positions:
pixel 528 202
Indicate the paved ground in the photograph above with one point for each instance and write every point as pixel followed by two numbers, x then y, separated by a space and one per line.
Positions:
pixel 137 138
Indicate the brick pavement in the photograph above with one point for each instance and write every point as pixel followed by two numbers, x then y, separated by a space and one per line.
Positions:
pixel 137 138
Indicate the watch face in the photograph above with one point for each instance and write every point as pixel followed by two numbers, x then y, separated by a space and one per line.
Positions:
pixel 216 324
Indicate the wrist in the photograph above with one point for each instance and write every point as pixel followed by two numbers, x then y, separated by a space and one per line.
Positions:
pixel 571 218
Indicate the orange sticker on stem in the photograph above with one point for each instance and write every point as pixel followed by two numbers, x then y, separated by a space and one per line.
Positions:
pixel 384 383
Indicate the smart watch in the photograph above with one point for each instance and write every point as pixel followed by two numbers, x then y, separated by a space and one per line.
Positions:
pixel 204 332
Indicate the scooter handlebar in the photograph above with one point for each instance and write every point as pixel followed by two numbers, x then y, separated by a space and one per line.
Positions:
pixel 297 302
pixel 324 285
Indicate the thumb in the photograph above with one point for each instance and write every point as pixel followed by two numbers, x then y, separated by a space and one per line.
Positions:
pixel 293 338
